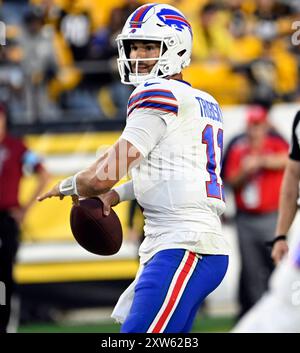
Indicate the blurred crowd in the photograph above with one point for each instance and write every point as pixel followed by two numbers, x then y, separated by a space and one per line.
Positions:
pixel 59 60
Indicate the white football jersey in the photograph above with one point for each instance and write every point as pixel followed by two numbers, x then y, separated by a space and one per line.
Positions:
pixel 178 183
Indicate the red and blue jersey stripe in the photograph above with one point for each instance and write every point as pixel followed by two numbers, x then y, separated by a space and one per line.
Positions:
pixel 159 99
pixel 163 93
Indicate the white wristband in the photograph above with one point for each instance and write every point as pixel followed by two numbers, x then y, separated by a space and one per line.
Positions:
pixel 68 186
pixel 125 191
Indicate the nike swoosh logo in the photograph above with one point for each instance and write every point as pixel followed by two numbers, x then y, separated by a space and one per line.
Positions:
pixel 150 84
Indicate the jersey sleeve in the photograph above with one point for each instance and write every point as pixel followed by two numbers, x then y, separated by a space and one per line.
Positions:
pixel 294 152
pixel 144 130
pixel 155 99
pixel 151 108
pixel 125 191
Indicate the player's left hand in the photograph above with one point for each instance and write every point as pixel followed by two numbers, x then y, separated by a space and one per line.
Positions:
pixel 54 192
pixel 109 199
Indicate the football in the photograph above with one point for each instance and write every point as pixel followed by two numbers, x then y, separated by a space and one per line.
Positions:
pixel 98 234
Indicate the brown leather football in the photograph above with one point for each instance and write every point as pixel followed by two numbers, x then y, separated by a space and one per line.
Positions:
pixel 98 234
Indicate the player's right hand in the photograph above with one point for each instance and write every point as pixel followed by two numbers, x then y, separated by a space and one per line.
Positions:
pixel 54 192
pixel 279 250
pixel 109 199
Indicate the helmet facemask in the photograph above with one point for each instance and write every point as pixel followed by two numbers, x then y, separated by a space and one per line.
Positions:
pixel 130 73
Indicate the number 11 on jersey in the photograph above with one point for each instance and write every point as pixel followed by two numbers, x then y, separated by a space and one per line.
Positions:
pixel 213 188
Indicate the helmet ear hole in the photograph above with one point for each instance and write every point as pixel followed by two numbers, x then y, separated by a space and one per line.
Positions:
pixel 182 52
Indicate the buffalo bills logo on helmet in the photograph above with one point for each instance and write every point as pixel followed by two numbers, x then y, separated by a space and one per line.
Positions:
pixel 138 16
pixel 174 19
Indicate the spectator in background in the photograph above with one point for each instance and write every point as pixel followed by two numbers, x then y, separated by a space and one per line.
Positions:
pixel 104 46
pixel 262 75
pixel 39 64
pixel 273 76
pixel 113 95
pixel 287 70
pixel 267 14
pixel 75 24
pixel 14 156
pixel 12 78
pixel 50 11
pixel 99 92
pixel 244 46
pixel 211 36
pixel 253 168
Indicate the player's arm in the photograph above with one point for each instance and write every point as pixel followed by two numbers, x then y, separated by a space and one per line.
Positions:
pixel 144 129
pixel 287 207
pixel 112 167
pixel 102 175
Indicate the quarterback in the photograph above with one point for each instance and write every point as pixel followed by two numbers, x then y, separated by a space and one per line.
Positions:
pixel 172 146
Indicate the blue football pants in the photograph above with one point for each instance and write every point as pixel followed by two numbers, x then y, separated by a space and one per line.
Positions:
pixel 170 290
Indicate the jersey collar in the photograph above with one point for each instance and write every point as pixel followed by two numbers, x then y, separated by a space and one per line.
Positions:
pixel 187 83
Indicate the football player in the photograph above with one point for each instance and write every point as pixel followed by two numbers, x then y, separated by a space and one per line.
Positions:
pixel 172 144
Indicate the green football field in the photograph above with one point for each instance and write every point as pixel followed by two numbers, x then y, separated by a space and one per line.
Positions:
pixel 202 324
